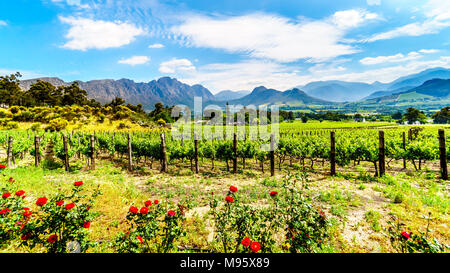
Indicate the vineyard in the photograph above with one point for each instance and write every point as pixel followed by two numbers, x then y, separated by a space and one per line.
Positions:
pixel 295 148
pixel 316 189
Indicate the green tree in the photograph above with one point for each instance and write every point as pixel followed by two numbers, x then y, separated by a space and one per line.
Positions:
pixel 73 94
pixel 10 92
pixel 442 116
pixel 45 93
pixel 412 115
pixel 397 116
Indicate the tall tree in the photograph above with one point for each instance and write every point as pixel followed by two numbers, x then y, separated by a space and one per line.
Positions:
pixel 45 93
pixel 10 92
pixel 73 94
pixel 412 115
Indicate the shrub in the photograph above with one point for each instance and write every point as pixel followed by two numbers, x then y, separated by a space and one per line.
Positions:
pixel 101 118
pixel 152 228
pixel 14 109
pixel 35 127
pixel 409 242
pixel 61 222
pixel 239 225
pixel 11 125
pixel 24 116
pixel 57 125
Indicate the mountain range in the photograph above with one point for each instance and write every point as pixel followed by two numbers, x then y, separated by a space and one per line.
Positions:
pixel 429 85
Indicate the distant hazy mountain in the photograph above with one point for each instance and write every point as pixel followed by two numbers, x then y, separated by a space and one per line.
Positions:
pixel 420 78
pixel 340 91
pixel 262 96
pixel 408 82
pixel 227 95
pixel 439 88
pixel 166 90
pixel 431 90
pixel 378 94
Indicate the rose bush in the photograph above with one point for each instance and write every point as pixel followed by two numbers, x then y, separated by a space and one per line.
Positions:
pixel 152 228
pixel 409 242
pixel 243 227
pixel 60 223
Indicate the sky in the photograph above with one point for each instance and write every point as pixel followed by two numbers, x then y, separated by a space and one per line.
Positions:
pixel 224 45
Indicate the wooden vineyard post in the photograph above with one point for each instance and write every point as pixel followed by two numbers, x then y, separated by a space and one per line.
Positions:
pixel 381 154
pixel 332 153
pixel 272 156
pixel 9 152
pixel 196 152
pixel 442 154
pixel 404 147
pixel 37 152
pixel 66 155
pixel 234 153
pixel 78 153
pixel 92 152
pixel 130 153
pixel 164 167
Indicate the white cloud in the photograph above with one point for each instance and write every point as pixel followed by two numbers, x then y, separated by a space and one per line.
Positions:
pixel 3 23
pixel 135 60
pixel 25 73
pixel 76 3
pixel 429 51
pixel 176 65
pixel 352 17
pixel 245 75
pixel 388 74
pixel 438 18
pixel 373 2
pixel 86 33
pixel 397 58
pixel 156 46
pixel 271 36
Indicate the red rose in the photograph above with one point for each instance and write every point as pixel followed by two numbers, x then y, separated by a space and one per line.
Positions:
pixel 144 210
pixel 6 195
pixel 273 193
pixel 4 211
pixel 233 189
pixel 156 202
pixel 87 224
pixel 140 239
pixel 70 206
pixel 133 209
pixel 406 235
pixel 27 213
pixel 26 208
pixel 20 193
pixel 148 203
pixel 78 183
pixel 41 201
pixel 52 239
pixel 60 202
pixel 229 199
pixel 246 241
pixel 2 167
pixel 25 237
pixel 171 213
pixel 255 246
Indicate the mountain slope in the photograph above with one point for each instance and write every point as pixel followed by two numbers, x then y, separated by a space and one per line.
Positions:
pixel 420 78
pixel 340 91
pixel 263 96
pixel 227 95
pixel 431 90
pixel 167 90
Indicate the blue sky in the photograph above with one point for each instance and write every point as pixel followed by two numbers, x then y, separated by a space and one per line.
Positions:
pixel 235 45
